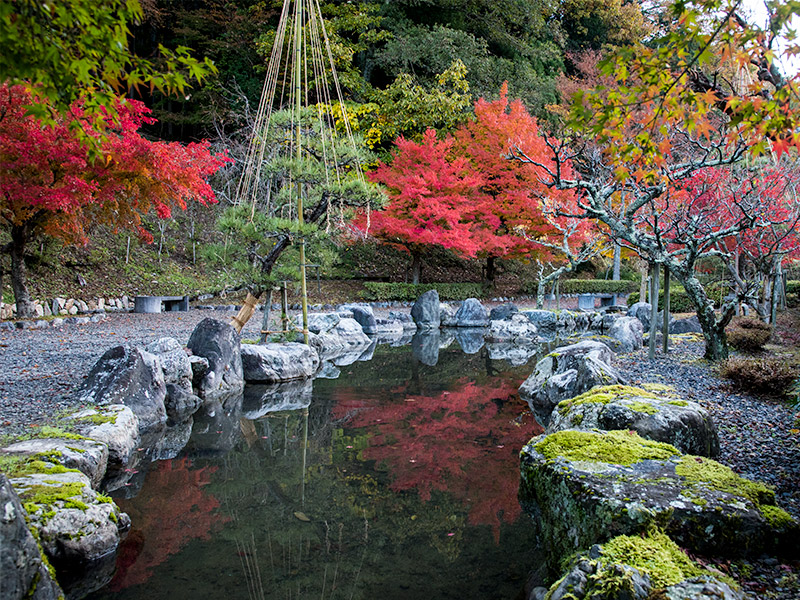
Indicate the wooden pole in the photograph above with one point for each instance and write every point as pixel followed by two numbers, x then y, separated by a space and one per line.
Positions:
pixel 665 325
pixel 284 307
pixel 244 314
pixel 265 318
pixel 651 354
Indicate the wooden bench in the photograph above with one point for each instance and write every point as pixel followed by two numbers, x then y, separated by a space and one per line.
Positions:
pixel 153 304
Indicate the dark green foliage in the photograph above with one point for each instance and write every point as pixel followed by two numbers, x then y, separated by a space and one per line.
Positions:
pixel 678 300
pixel 793 286
pixel 409 291
pixel 769 376
pixel 748 334
pixel 588 286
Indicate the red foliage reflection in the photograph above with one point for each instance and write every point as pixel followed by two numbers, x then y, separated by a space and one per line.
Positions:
pixel 171 511
pixel 465 442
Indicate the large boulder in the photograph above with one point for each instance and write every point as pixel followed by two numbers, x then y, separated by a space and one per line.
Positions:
pixel 655 412
pixel 425 311
pixel 687 325
pixel 24 569
pixel 502 312
pixel 88 456
pixel 568 372
pixel 219 343
pixel 269 363
pixel 78 529
pixel 546 321
pixel 322 322
pixel 517 327
pixel 471 313
pixel 180 401
pixel 586 487
pixel 628 332
pixel 643 310
pixel 447 315
pixel 130 376
pixel 344 337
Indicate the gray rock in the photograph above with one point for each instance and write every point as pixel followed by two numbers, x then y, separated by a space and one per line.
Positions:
pixel 269 363
pixel 120 433
pixel 363 315
pixel 173 441
pixel 129 376
pixel 262 399
pixel 404 318
pixel 687 325
pixel 643 310
pixel 327 371
pixel 502 312
pixel 628 332
pixel 322 322
pixel 518 327
pixel 425 311
pixel 447 315
pixel 77 528
pixel 591 579
pixel 702 588
pixel 516 354
pixel 566 373
pixel 655 414
pixel 389 329
pixel 174 361
pixel 471 313
pixel 219 343
pixel 566 322
pixel 545 320
pixel 345 337
pixel 584 487
pixel 180 404
pixel 24 572
pixel 90 457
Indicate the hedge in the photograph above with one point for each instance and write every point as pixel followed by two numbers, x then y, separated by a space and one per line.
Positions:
pixel 588 286
pixel 678 301
pixel 383 292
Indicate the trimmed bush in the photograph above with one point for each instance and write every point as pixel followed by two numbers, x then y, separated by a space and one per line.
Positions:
pixel 587 286
pixel 383 292
pixel 748 334
pixel 678 300
pixel 793 286
pixel 770 376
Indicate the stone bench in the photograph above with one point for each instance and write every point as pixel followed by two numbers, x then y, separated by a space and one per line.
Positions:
pixel 587 301
pixel 152 304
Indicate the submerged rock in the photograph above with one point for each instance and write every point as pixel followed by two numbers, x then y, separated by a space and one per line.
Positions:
pixel 654 412
pixel 585 487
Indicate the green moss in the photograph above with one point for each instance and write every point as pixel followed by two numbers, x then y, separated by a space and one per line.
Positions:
pixel 658 387
pixel 708 473
pixel 577 419
pixel 776 516
pixel 654 554
pixel 98 419
pixel 603 395
pixel 642 407
pixel 613 447
pixel 37 497
pixel 44 462
pixel 678 403
pixel 699 501
pixel 113 517
pixel 47 431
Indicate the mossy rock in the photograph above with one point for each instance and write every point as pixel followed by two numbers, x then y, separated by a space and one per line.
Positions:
pixel 90 457
pixel 639 568
pixel 655 414
pixel 585 487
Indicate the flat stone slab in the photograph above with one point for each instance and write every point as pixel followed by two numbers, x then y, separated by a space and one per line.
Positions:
pixel 270 363
pixel 655 412
pixel 586 487
pixel 90 457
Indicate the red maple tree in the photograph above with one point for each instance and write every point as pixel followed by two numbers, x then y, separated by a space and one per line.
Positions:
pixel 54 183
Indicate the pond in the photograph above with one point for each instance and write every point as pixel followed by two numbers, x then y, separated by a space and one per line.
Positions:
pixel 397 479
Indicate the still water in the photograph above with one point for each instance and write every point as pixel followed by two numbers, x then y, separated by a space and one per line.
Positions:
pixel 396 479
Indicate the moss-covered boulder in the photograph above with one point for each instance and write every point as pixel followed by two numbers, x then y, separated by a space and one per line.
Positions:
pixel 79 529
pixel 654 411
pixel 638 568
pixel 90 457
pixel 585 487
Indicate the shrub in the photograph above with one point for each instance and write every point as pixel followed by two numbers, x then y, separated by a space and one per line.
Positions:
pixel 383 292
pixel 678 300
pixel 587 286
pixel 748 334
pixel 769 376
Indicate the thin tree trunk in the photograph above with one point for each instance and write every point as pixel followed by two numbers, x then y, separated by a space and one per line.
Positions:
pixel 776 282
pixel 416 267
pixel 643 285
pixel 665 324
pixel 265 320
pixel 651 350
pixel 19 273
pixel 713 327
pixel 617 262
pixel 490 271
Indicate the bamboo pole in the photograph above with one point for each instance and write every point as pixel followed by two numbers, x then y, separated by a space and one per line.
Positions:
pixel 244 314
pixel 298 47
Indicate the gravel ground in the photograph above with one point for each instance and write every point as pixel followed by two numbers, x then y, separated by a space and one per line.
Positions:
pixel 41 368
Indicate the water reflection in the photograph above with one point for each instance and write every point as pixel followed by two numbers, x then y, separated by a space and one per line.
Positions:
pixel 398 479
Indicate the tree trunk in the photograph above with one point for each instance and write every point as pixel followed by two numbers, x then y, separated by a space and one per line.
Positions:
pixel 713 327
pixel 490 271
pixel 643 285
pixel 617 262
pixel 665 324
pixel 19 275
pixel 416 267
pixel 651 351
